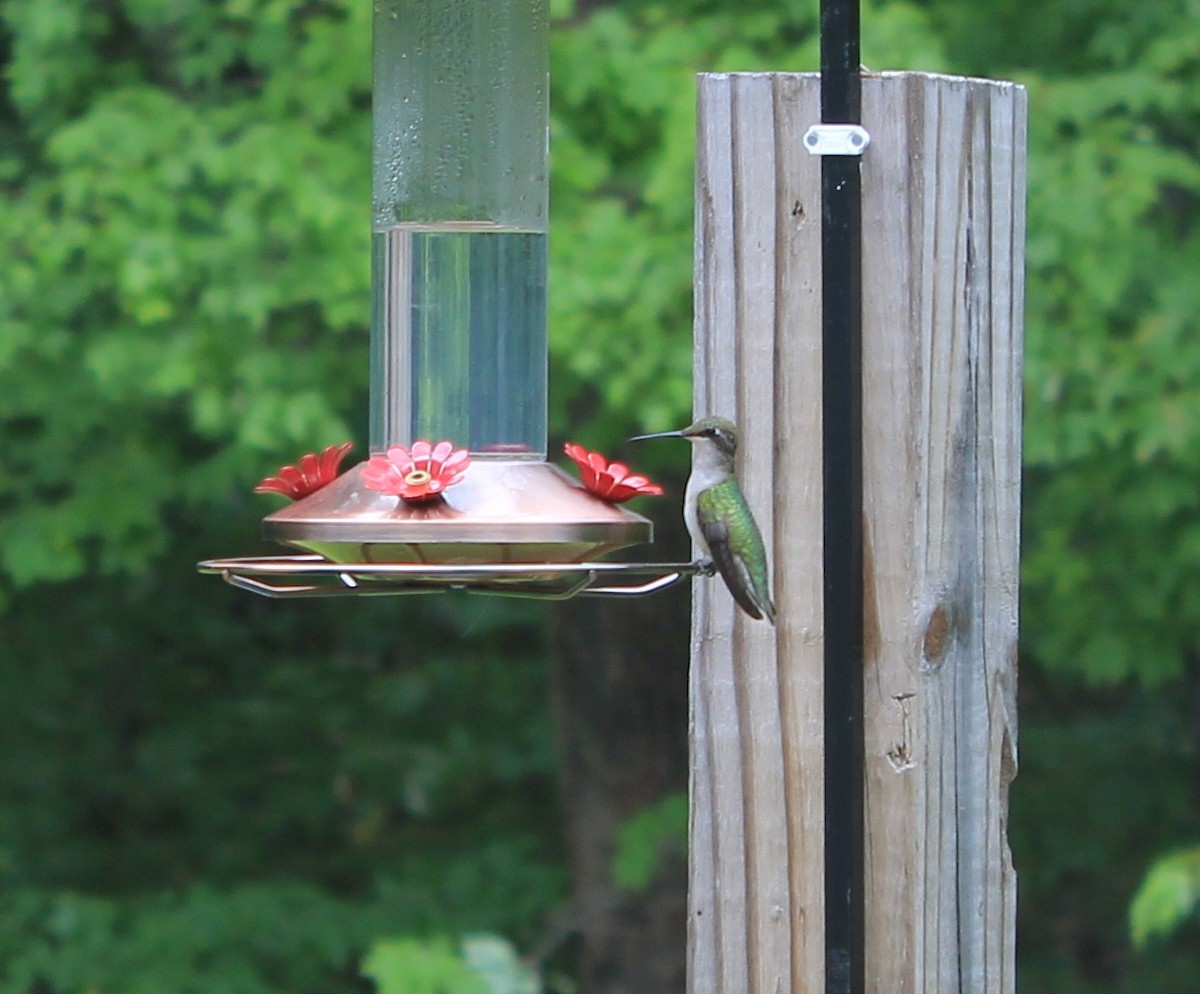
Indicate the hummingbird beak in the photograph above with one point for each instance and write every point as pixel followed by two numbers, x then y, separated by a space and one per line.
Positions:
pixel 657 434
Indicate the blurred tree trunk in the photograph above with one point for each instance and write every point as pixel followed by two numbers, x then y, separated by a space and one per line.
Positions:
pixel 620 703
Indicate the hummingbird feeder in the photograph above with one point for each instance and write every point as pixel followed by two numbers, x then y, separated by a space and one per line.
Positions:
pixel 457 491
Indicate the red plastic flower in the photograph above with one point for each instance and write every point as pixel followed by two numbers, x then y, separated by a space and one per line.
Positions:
pixel 311 475
pixel 417 475
pixel 609 481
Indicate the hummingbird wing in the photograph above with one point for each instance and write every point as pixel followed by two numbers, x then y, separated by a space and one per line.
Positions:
pixel 715 526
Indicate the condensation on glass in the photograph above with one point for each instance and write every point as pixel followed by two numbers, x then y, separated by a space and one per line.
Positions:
pixel 459 193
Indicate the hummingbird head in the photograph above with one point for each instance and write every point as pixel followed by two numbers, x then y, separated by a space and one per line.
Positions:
pixel 721 433
pixel 716 437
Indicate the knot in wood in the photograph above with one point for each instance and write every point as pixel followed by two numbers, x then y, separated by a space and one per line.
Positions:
pixel 937 634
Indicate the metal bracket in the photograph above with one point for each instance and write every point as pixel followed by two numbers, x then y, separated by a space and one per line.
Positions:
pixel 836 139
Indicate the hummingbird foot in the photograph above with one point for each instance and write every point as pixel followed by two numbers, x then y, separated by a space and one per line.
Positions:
pixel 705 567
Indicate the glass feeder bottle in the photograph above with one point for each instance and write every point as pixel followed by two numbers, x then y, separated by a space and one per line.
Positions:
pixel 459 204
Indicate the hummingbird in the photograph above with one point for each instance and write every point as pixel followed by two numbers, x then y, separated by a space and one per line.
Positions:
pixel 718 517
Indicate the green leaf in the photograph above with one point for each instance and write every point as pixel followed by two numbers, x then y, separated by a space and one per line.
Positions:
pixel 644 839
pixel 421 966
pixel 1169 895
pixel 495 960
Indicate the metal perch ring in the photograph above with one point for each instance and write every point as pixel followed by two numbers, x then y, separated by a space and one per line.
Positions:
pixel 313 576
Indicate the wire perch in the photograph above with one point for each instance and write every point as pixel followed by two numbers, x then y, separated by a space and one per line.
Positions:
pixel 283 577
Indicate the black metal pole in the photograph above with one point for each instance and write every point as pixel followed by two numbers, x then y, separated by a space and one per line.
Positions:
pixel 841 281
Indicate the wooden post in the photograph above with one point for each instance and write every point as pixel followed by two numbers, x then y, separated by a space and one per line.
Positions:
pixel 943 242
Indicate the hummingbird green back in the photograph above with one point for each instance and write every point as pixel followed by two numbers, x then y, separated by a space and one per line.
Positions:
pixel 736 546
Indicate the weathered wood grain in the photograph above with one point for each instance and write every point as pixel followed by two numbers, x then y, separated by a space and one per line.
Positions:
pixel 943 217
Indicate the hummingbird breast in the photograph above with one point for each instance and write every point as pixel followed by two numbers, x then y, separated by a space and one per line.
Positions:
pixel 709 468
pixel 691 517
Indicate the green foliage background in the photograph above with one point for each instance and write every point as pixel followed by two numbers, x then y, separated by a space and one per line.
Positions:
pixel 199 791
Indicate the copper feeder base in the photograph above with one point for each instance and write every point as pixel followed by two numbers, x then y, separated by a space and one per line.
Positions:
pixel 503 511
